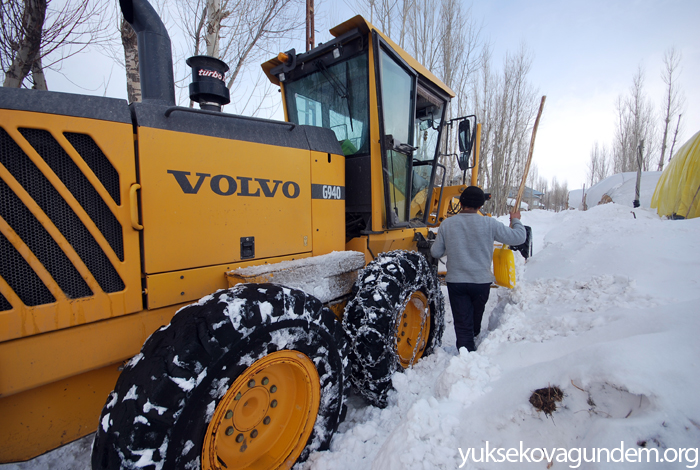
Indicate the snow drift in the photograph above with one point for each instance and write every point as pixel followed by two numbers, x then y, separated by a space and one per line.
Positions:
pixel 619 188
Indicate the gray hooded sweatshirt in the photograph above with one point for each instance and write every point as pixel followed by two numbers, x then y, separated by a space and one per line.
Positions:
pixel 467 240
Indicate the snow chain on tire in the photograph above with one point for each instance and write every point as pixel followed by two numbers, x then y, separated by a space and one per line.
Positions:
pixel 158 414
pixel 381 294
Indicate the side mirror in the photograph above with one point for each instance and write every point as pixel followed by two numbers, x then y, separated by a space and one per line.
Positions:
pixel 464 139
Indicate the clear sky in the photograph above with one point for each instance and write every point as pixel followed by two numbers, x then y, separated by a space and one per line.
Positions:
pixel 585 55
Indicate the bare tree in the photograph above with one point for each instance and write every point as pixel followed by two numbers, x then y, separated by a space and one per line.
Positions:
pixel 443 36
pixel 635 123
pixel 215 18
pixel 557 198
pixel 675 136
pixel 22 25
pixel 35 37
pixel 383 13
pixel 562 200
pixel 513 106
pixel 457 60
pixel 532 176
pixel 673 99
pixel 599 164
pixel 254 27
pixel 543 187
pixel 531 182
pixel 406 7
pixel 240 32
pixel 484 100
pixel 424 34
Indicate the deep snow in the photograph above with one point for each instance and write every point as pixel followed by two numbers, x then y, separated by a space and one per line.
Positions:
pixel 607 309
pixel 620 187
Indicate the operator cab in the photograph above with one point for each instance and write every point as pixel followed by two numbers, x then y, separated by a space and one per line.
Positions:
pixel 387 112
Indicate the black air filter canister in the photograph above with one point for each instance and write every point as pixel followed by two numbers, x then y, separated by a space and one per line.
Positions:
pixel 208 87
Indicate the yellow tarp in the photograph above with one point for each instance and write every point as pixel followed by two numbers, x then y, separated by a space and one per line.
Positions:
pixel 678 189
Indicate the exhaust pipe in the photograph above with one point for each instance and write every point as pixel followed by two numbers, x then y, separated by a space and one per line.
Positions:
pixel 155 56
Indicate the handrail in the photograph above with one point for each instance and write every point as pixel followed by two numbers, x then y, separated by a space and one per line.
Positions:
pixel 172 109
pixel 442 185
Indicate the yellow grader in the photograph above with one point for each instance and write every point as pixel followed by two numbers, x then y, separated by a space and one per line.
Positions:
pixel 115 218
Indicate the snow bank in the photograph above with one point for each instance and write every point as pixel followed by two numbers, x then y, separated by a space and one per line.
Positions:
pixel 620 188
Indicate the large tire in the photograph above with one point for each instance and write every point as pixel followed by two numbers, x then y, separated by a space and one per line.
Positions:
pixel 389 300
pixel 171 407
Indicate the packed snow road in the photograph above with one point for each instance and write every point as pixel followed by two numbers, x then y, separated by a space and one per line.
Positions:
pixel 607 309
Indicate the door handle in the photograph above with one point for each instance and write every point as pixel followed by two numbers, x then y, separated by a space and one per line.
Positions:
pixel 133 203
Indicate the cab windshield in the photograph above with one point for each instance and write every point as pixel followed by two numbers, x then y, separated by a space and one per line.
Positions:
pixel 335 97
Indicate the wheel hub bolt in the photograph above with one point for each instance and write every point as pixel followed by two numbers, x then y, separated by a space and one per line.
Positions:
pixel 405 325
pixel 238 396
pixel 229 414
pixel 229 430
pixel 273 389
pixel 240 438
pixel 403 333
pixel 265 381
pixel 251 384
pixel 266 420
pixel 273 404
pixel 254 434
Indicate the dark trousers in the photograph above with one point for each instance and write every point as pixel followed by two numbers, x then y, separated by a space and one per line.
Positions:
pixel 468 302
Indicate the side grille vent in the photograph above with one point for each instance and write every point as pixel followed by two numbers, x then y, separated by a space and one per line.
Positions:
pixel 21 277
pixel 97 161
pixel 42 245
pixel 78 184
pixel 4 304
pixel 58 210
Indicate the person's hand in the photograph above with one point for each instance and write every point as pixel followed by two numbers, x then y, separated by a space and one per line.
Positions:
pixel 515 215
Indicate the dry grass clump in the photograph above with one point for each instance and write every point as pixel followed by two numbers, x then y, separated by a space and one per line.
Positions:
pixel 545 399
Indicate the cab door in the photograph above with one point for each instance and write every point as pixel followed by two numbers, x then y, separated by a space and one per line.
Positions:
pixel 411 113
pixel 397 91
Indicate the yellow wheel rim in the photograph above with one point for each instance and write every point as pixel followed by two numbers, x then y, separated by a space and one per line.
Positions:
pixel 413 329
pixel 266 417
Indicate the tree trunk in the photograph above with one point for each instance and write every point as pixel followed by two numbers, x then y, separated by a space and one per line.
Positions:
pixel 29 46
pixel 131 61
pixel 213 27
pixel 663 142
pixel 38 75
pixel 673 100
pixel 675 135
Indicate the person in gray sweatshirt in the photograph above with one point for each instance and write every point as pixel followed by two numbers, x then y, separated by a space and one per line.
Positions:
pixel 467 240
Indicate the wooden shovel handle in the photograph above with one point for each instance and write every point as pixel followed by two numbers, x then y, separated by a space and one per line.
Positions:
pixel 521 190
